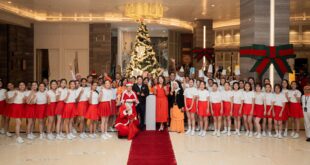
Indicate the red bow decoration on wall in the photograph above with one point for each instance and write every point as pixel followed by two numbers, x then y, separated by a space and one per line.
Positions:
pixel 267 55
pixel 199 53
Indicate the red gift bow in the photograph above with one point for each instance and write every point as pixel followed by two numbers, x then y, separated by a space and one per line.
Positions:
pixel 204 52
pixel 267 55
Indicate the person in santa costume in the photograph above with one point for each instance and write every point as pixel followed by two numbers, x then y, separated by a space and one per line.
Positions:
pixel 127 122
pixel 130 96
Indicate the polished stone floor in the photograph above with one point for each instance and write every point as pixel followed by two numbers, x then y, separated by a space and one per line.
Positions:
pixel 188 150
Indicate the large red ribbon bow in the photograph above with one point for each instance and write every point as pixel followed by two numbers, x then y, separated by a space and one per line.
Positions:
pixel 267 55
pixel 199 53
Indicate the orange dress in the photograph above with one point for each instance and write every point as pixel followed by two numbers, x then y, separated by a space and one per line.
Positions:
pixel 161 105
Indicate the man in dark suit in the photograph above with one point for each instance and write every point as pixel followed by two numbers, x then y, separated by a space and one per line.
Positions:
pixel 142 92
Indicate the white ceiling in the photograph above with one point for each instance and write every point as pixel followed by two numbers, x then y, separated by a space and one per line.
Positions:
pixel 186 10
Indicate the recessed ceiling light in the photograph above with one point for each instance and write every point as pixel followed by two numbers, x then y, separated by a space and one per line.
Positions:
pixel 9 2
pixel 212 5
pixel 195 18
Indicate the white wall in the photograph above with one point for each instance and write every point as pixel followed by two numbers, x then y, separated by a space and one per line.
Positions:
pixel 63 40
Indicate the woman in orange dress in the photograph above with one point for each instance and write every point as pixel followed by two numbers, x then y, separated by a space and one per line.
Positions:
pixel 161 91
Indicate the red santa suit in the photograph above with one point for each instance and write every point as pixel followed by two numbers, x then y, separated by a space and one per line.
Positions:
pixel 127 123
pixel 130 96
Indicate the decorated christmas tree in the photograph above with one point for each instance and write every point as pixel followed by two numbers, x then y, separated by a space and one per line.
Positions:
pixel 143 56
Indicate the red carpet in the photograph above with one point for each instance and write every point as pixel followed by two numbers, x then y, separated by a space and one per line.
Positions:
pixel 151 148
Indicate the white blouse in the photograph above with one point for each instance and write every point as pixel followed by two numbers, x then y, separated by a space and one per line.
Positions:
pixel 52 96
pixel 2 94
pixel 269 97
pixel 190 92
pixel 227 95
pixel 62 92
pixel 291 94
pixel 114 93
pixel 41 97
pixel 83 96
pixel 19 99
pixel 248 97
pixel 279 99
pixel 95 96
pixel 107 95
pixel 203 95
pixel 215 97
pixel 73 94
pixel 259 98
pixel 238 97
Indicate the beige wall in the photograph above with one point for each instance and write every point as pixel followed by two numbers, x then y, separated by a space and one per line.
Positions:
pixel 63 40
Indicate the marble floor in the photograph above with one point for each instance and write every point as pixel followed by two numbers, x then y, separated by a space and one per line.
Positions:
pixel 188 150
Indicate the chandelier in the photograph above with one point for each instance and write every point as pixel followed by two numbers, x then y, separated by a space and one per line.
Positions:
pixel 140 10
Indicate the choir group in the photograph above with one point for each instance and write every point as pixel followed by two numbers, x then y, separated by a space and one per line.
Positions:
pixel 219 103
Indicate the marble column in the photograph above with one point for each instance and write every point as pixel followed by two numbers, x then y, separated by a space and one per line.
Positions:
pixel 198 36
pixel 255 28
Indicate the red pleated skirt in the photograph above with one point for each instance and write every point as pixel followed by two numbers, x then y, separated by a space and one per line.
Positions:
pixel 104 109
pixel 60 107
pixel 7 110
pixel 81 108
pixel 246 109
pixel 295 110
pixel 40 112
pixel 277 111
pixel 69 111
pixel 189 103
pixel 202 108
pixel 92 112
pixel 16 110
pixel 259 111
pixel 226 108
pixel 113 107
pixel 30 111
pixel 286 111
pixel 2 107
pixel 216 107
pixel 269 112
pixel 51 109
pixel 236 109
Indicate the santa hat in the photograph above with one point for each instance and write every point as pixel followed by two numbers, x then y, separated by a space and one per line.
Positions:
pixel 129 84
pixel 93 73
pixel 181 69
pixel 237 70
pixel 210 69
pixel 166 73
pixel 224 72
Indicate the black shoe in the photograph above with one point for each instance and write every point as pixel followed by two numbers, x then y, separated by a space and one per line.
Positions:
pixel 308 140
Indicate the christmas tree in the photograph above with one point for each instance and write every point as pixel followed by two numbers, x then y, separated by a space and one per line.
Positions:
pixel 143 56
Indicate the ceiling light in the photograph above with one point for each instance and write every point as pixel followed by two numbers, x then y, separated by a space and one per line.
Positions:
pixel 212 5
pixel 140 10
pixel 9 2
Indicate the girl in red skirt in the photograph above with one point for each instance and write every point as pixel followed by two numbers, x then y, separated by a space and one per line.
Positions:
pixel 216 108
pixel 237 107
pixel 2 106
pixel 296 111
pixel 279 105
pixel 227 98
pixel 61 94
pixel 203 108
pixel 30 108
pixel 9 96
pixel 18 103
pixel 69 109
pixel 269 97
pixel 285 89
pixel 104 108
pixel 92 111
pixel 259 109
pixel 41 104
pixel 248 108
pixel 82 106
pixel 190 96
pixel 51 108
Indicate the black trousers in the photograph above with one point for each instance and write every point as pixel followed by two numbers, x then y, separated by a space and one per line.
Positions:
pixel 141 113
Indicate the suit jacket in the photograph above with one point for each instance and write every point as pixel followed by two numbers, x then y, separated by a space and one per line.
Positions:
pixel 144 89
